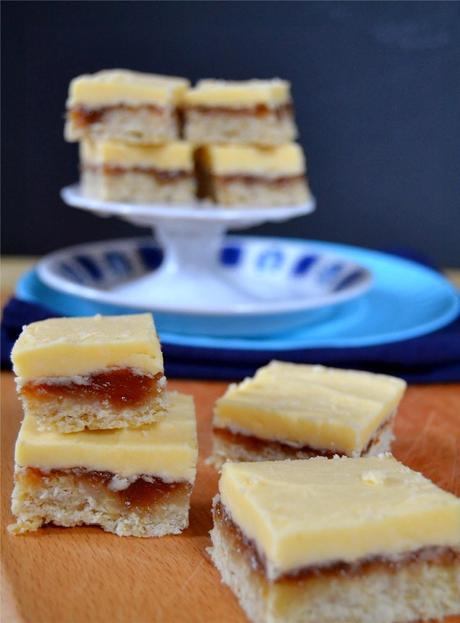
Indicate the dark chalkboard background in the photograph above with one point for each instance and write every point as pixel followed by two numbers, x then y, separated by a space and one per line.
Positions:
pixel 376 88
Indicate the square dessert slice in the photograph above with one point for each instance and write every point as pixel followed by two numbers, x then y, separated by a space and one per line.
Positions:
pixel 339 540
pixel 115 171
pixel 253 176
pixel 249 111
pixel 133 482
pixel 124 105
pixel 295 411
pixel 96 372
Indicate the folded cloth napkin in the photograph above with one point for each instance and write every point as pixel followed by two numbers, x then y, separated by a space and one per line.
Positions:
pixel 433 358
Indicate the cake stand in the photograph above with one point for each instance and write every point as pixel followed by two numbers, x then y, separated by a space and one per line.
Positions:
pixel 191 237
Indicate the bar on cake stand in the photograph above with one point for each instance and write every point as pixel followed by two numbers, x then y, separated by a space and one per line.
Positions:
pixel 250 111
pixel 123 105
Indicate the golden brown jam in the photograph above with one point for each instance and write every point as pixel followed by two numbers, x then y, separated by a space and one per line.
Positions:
pixel 256 444
pixel 259 179
pixel 82 116
pixel 121 387
pixel 158 174
pixel 139 494
pixel 258 110
pixel 436 555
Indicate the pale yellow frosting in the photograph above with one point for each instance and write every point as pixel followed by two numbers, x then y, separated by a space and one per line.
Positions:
pixel 324 408
pixel 60 347
pixel 287 159
pixel 236 94
pixel 122 86
pixel 318 511
pixel 166 449
pixel 177 155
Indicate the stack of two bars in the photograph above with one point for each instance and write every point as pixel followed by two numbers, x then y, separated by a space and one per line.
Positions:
pixel 102 442
pixel 128 127
pixel 246 130
pixel 236 145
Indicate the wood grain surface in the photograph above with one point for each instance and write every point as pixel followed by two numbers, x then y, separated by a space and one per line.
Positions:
pixel 84 575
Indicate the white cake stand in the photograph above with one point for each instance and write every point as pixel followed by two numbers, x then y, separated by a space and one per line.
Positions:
pixel 191 237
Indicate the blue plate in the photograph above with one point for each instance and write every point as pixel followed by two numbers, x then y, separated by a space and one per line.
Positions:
pixel 406 300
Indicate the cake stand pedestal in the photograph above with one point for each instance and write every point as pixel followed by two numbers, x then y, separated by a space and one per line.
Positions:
pixel 191 237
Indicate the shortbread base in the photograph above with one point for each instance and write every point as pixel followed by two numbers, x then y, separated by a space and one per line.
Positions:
pixel 238 447
pixel 259 193
pixel 67 500
pixel 136 187
pixel 413 591
pixel 69 414
pixel 140 125
pixel 222 127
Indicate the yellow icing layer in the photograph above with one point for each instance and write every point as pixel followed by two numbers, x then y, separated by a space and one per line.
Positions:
pixel 167 449
pixel 78 346
pixel 169 156
pixel 122 86
pixel 237 94
pixel 315 511
pixel 325 408
pixel 279 161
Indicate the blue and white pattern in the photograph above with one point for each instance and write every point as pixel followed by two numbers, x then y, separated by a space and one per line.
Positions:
pixel 406 299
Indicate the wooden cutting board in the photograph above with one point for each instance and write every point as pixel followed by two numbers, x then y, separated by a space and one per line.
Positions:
pixel 84 575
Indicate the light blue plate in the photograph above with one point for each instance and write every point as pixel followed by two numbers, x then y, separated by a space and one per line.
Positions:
pixel 406 300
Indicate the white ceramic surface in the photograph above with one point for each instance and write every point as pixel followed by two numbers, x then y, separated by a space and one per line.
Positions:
pixel 251 277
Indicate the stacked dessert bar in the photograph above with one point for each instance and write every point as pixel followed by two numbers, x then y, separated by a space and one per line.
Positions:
pixel 102 442
pixel 149 138
pixel 128 126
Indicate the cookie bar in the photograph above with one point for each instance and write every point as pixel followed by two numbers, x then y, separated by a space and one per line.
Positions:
pixel 252 176
pixel 251 111
pixel 133 482
pixel 115 171
pixel 123 105
pixel 295 411
pixel 338 540
pixel 96 372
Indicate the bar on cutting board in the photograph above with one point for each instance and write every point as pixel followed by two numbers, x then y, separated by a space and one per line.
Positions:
pixel 132 482
pixel 295 411
pixel 340 540
pixel 95 372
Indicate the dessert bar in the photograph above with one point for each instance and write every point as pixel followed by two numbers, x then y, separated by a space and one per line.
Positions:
pixel 251 111
pixel 96 372
pixel 243 175
pixel 124 105
pixel 295 411
pixel 129 481
pixel 339 540
pixel 115 171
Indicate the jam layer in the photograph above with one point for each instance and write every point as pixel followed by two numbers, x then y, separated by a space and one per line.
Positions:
pixel 120 387
pixel 247 548
pixel 141 493
pixel 160 175
pixel 259 110
pixel 256 444
pixel 81 116
pixel 259 179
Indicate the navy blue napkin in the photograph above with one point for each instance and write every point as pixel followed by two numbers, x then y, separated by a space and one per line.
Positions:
pixel 432 358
